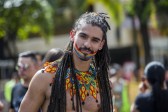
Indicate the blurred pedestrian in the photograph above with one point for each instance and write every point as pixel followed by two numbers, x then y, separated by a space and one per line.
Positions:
pixel 52 55
pixel 39 57
pixel 1 106
pixel 119 88
pixel 156 100
pixel 27 66
pixel 166 76
pixel 9 85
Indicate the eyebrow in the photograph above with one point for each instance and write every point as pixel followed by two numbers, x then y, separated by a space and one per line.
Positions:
pixel 81 33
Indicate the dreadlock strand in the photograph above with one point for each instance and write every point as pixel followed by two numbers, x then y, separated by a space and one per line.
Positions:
pixel 102 59
pixel 73 85
pixel 54 95
pixel 73 74
pixel 78 103
pixel 97 19
pixel 62 85
pixel 58 93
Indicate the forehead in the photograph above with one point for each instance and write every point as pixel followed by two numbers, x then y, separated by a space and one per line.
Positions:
pixel 24 60
pixel 91 30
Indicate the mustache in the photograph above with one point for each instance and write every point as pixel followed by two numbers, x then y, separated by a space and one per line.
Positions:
pixel 85 48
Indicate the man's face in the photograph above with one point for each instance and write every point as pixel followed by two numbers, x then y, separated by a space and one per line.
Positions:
pixel 26 67
pixel 87 41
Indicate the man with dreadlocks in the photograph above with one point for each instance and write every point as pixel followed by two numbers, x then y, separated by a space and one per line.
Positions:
pixel 79 81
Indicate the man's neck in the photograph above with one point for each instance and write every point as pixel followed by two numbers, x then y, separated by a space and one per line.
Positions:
pixel 80 64
pixel 25 83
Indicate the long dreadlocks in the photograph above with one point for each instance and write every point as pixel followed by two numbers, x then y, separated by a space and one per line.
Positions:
pixel 101 61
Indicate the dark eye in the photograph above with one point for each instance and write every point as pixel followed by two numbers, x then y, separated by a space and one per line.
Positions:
pixel 95 40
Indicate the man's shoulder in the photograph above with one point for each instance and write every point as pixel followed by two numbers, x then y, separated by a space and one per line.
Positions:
pixel 143 97
pixel 50 67
pixel 46 74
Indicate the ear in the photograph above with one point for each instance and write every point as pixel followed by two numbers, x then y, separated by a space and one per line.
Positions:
pixel 72 34
pixel 102 44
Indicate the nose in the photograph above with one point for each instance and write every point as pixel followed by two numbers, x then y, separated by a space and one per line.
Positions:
pixel 87 44
pixel 20 70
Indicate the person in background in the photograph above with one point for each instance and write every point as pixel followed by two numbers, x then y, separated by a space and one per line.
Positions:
pixel 1 106
pixel 79 81
pixel 39 58
pixel 52 55
pixel 156 100
pixel 27 66
pixel 119 88
pixel 143 86
pixel 9 85
pixel 166 75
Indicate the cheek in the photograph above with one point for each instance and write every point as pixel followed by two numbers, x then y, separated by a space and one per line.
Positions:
pixel 78 43
pixel 34 68
pixel 96 48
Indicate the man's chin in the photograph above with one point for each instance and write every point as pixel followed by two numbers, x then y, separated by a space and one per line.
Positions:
pixel 22 75
pixel 85 58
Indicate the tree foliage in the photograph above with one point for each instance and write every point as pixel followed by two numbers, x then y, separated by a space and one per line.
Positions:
pixel 115 9
pixel 143 9
pixel 162 15
pixel 20 18
pixel 65 13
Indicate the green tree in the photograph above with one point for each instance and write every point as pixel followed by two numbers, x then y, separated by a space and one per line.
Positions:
pixel 115 10
pixel 142 9
pixel 64 14
pixel 162 16
pixel 20 19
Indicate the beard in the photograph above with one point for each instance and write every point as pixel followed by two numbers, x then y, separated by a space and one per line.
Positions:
pixel 84 56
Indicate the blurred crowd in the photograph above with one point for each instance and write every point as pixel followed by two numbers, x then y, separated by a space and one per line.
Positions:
pixel 28 63
pixel 129 86
pixel 141 90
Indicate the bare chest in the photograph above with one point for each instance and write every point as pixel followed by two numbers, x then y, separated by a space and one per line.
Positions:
pixel 90 104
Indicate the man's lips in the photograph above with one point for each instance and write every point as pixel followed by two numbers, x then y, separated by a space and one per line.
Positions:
pixel 86 52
